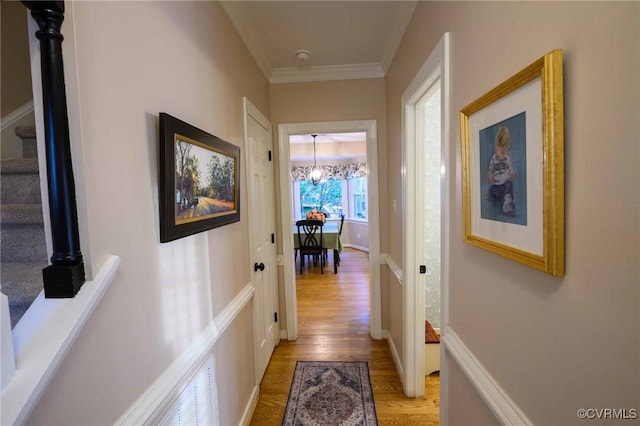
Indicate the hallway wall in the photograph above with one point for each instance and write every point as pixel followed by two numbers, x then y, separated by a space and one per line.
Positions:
pixel 341 100
pixel 124 63
pixel 15 68
pixel 15 75
pixel 553 344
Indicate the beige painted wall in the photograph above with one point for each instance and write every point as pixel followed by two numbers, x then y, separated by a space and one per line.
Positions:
pixel 15 71
pixel 356 233
pixel 342 100
pixel 186 59
pixel 553 344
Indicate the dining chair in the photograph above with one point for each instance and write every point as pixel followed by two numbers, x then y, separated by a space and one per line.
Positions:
pixel 310 241
pixel 336 253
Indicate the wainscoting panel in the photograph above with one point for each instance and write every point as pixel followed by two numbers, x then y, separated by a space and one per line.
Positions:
pixel 175 388
pixel 502 406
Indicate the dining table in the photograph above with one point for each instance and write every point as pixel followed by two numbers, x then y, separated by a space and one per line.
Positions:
pixel 330 240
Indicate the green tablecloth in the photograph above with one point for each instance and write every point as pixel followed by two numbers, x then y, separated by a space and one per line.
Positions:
pixel 330 238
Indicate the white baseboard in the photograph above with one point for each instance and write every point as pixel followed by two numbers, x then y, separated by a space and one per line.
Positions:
pixel 283 334
pixel 251 406
pixel 356 247
pixel 502 406
pixel 394 352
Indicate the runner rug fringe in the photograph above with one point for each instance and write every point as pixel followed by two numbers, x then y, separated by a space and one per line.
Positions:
pixel 330 393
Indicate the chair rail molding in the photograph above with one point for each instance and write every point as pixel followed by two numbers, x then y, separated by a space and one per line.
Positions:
pixel 499 402
pixel 66 274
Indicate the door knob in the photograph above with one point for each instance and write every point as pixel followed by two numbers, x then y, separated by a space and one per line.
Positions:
pixel 258 267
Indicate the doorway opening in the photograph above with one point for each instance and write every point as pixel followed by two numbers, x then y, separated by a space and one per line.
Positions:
pixel 426 219
pixel 293 205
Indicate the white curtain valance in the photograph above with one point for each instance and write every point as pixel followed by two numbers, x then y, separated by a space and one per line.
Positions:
pixel 340 171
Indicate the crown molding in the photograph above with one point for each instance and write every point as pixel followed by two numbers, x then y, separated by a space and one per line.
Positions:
pixel 326 72
pixel 238 17
pixel 400 26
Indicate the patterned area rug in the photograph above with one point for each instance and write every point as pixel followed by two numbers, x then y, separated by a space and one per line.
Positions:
pixel 326 393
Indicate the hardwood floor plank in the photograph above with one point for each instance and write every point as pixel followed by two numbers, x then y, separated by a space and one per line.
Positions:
pixel 333 325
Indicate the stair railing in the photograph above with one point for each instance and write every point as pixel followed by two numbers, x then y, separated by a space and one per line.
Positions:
pixel 66 274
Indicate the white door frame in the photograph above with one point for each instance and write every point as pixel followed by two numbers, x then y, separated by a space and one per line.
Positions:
pixel 284 131
pixel 435 68
pixel 251 112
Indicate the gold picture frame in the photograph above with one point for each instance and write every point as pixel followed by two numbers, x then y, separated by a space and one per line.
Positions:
pixel 513 167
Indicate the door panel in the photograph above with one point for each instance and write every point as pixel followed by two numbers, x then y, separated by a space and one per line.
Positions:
pixel 261 214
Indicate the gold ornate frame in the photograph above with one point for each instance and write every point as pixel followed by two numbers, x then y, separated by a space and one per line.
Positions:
pixel 549 69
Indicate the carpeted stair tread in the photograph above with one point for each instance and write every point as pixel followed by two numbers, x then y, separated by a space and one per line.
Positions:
pixel 20 181
pixel 21 214
pixel 18 166
pixel 21 282
pixel 26 132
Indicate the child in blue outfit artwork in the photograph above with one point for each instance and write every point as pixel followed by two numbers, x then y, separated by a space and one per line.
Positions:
pixel 501 172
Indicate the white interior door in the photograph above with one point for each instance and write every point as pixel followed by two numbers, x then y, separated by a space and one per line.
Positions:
pixel 262 230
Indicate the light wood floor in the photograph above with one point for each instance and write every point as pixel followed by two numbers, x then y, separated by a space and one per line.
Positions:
pixel 333 325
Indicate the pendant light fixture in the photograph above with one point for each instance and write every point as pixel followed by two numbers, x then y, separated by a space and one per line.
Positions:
pixel 316 173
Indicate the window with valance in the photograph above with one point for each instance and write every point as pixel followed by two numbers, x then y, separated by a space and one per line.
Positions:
pixel 342 190
pixel 339 171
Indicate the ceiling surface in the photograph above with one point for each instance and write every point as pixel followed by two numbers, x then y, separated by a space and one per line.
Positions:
pixel 329 146
pixel 346 39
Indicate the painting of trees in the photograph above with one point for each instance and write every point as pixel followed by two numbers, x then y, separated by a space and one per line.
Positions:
pixel 221 177
pixel 199 180
pixel 182 154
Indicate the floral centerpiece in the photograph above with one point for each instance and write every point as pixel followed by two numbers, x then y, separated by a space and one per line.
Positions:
pixel 317 215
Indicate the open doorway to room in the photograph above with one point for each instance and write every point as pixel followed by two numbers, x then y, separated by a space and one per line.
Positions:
pixel 426 223
pixel 335 154
pixel 329 174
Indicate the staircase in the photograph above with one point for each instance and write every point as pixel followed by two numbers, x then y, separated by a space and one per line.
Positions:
pixel 22 245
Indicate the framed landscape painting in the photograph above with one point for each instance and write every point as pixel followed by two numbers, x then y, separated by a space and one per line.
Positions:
pixel 199 180
pixel 513 167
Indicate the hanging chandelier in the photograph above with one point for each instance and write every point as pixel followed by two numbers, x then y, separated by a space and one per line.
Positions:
pixel 316 173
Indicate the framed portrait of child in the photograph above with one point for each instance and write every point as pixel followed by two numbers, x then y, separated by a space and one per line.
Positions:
pixel 513 167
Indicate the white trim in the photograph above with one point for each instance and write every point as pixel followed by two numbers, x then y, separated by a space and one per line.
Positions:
pixel 42 338
pixel 283 335
pixel 434 70
pixel 502 406
pixel 356 247
pixel 247 415
pixel 326 72
pixel 370 127
pixel 6 345
pixel 394 352
pixel 16 115
pixel 395 269
pixel 446 224
pixel 163 393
